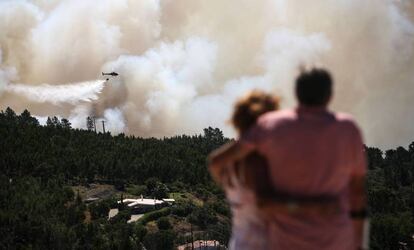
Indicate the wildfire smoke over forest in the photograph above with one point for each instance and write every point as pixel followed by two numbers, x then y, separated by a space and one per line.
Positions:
pixel 182 64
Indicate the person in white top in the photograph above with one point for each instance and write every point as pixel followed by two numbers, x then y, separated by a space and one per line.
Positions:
pixel 247 178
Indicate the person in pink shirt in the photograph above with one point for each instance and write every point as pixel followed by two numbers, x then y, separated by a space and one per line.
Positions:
pixel 312 154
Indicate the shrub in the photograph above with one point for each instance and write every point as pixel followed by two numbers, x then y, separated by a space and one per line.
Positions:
pixel 163 223
pixel 182 209
pixel 202 217
pixel 162 240
pixel 154 215
pixel 137 189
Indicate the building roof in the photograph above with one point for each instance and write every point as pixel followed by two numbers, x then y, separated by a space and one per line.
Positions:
pixel 144 202
pixel 168 200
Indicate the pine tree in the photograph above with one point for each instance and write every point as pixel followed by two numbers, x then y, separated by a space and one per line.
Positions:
pixel 56 122
pixel 49 122
pixel 90 123
pixel 65 123
pixel 25 118
pixel 10 114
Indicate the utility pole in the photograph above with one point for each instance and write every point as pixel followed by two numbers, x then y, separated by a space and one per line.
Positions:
pixel 103 126
pixel 192 239
pixel 206 240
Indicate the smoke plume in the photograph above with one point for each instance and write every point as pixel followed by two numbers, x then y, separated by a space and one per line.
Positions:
pixel 59 94
pixel 183 63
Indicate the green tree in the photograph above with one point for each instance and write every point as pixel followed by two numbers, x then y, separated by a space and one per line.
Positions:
pixel 49 122
pixel 65 123
pixel 90 124
pixel 163 223
pixel 10 114
pixel 26 119
pixel 202 217
pixel 162 240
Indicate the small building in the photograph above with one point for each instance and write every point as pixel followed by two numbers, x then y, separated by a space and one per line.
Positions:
pixel 143 205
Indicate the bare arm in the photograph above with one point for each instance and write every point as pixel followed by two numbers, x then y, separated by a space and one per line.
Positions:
pixel 226 156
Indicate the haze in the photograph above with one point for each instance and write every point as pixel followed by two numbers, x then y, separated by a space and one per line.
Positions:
pixel 183 63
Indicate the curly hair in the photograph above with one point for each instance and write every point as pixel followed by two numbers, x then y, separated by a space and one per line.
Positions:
pixel 250 107
pixel 246 112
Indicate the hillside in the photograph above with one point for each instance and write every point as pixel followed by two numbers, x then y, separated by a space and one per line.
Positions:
pixel 47 172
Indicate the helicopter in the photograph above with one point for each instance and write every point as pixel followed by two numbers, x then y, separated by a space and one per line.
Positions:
pixel 110 74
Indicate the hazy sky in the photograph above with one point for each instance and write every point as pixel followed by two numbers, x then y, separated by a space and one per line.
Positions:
pixel 182 63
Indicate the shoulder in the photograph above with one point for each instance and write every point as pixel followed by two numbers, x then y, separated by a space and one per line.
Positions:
pixel 347 122
pixel 345 119
pixel 276 118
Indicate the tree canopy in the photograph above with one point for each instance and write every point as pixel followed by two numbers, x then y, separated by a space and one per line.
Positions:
pixel 39 164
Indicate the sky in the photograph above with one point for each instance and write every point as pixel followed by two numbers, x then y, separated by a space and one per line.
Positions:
pixel 183 63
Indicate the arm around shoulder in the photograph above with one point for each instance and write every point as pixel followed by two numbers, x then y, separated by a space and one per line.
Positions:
pixel 226 156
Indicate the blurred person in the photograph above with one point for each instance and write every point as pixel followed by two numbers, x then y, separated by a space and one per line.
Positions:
pixel 247 178
pixel 314 154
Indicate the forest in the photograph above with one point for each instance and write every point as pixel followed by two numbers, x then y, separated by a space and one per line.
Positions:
pixel 41 208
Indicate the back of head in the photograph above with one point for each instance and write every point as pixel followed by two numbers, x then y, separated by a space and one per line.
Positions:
pixel 254 174
pixel 314 87
pixel 250 107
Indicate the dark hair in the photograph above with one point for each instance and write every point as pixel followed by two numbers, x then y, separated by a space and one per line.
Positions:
pixel 314 87
pixel 250 107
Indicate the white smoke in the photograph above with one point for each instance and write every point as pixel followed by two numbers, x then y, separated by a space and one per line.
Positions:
pixel 42 120
pixel 182 64
pixel 79 114
pixel 6 74
pixel 72 93
pixel 114 120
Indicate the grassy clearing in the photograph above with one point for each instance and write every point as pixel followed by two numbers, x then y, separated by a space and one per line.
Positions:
pixel 101 191
pixel 186 197
pixel 151 216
